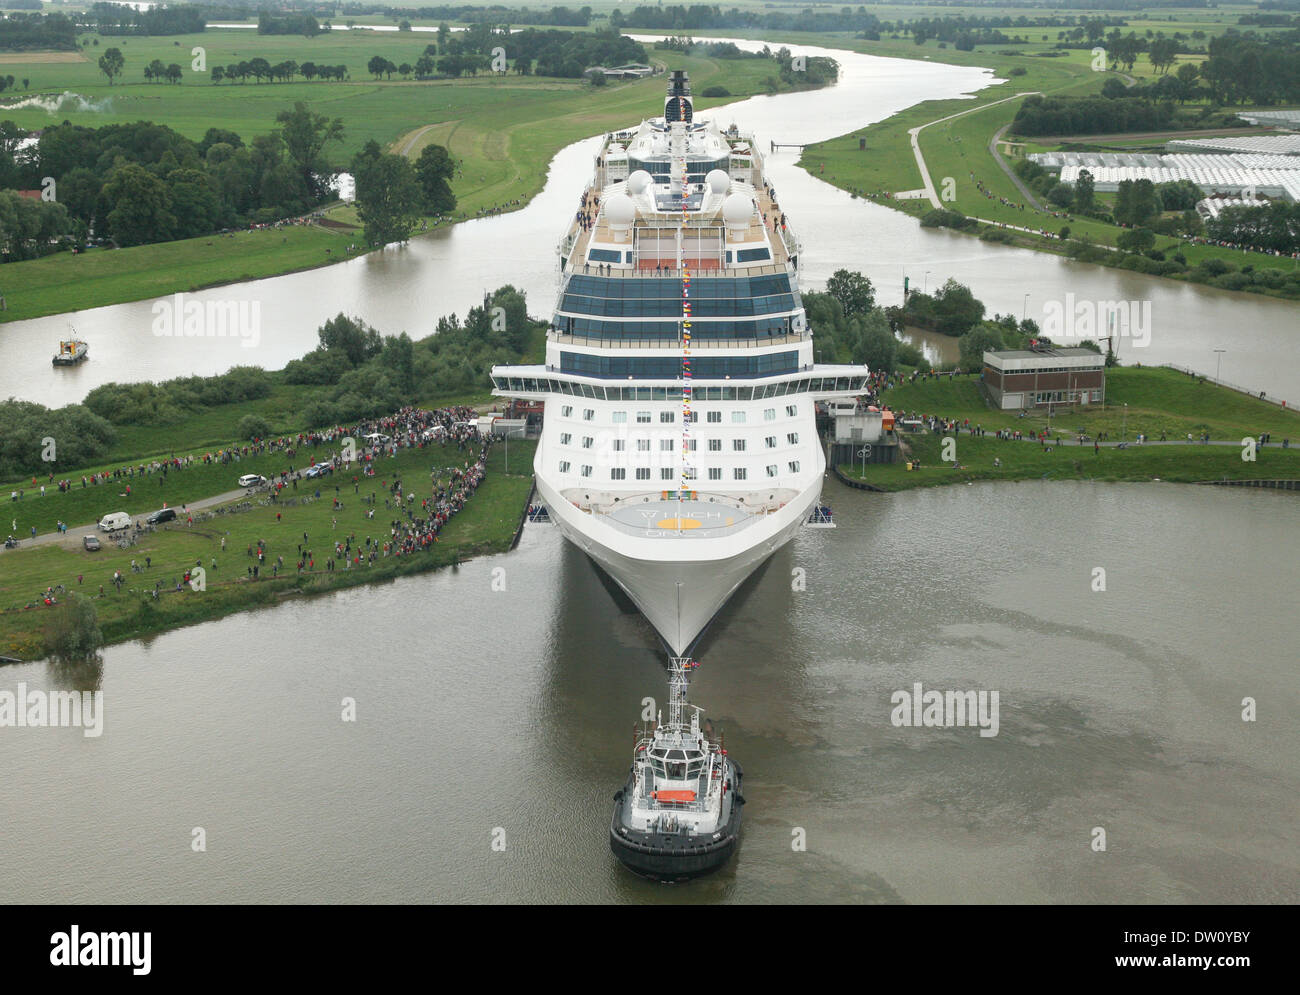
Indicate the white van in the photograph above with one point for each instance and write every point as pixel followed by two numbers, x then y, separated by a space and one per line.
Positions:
pixel 114 521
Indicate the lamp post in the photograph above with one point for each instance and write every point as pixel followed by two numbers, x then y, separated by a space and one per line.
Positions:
pixel 1024 313
pixel 925 281
pixel 1123 432
pixel 1217 360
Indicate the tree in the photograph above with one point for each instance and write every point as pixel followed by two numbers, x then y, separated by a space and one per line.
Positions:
pixel 1136 240
pixel 350 337
pixel 111 63
pixel 424 67
pixel 218 74
pixel 435 169
pixel 1084 192
pixel 73 633
pixel 139 206
pixel 975 343
pixel 956 308
pixel 174 73
pixel 853 291
pixel 389 197
pixel 875 345
pixel 155 70
pixel 305 134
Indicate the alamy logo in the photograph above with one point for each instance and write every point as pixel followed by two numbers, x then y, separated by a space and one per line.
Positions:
pixel 102 949
pixel 1075 319
pixel 946 709
pixel 41 709
pixel 189 318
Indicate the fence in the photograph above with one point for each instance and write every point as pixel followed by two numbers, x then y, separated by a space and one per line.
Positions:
pixel 1259 395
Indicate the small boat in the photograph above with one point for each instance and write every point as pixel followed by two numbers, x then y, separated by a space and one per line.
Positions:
pixel 70 353
pixel 679 814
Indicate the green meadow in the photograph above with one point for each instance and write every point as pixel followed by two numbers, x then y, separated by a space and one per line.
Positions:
pixel 504 129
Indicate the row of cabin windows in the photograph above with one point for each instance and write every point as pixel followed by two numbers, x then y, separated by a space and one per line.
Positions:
pixel 669 445
pixel 670 473
pixel 719 392
pixel 670 417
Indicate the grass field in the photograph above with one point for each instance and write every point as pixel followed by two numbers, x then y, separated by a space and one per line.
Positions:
pixel 504 130
pixel 486 524
pixel 1029 461
pixel 1147 400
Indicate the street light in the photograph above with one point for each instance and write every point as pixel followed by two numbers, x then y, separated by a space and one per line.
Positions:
pixel 925 282
pixel 1123 432
pixel 1025 311
pixel 1217 360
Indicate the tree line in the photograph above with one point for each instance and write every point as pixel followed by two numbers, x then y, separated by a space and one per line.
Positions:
pixel 392 193
pixel 29 32
pixel 116 19
pixel 261 69
pixel 1273 227
pixel 143 182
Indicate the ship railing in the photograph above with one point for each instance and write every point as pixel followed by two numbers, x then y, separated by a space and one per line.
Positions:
pixel 698 343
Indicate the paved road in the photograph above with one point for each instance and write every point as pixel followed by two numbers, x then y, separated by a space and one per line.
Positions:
pixel 75 532
pixel 1025 192
pixel 916 144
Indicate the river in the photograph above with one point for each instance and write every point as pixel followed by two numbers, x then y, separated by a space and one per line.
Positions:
pixel 512 710
pixel 406 288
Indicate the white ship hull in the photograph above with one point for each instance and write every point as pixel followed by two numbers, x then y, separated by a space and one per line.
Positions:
pixel 679 596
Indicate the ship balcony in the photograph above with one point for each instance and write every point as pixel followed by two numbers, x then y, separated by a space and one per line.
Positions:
pixel 698 343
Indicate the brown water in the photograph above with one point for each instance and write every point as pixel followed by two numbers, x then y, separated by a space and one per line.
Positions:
pixel 479 710
pixel 407 288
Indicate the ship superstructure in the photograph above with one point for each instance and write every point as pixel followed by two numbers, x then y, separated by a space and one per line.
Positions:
pixel 679 448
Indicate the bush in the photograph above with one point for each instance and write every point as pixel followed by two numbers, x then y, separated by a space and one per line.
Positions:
pixel 253 427
pixel 73 632
pixel 1001 235
pixel 1232 281
pixel 1216 267
pixel 1018 71
pixel 716 91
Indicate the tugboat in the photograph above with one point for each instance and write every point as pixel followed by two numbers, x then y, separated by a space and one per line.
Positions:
pixel 679 814
pixel 70 353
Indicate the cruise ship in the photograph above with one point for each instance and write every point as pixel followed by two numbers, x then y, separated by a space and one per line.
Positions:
pixel 679 446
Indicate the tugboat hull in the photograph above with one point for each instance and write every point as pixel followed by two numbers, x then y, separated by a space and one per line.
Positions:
pixel 664 857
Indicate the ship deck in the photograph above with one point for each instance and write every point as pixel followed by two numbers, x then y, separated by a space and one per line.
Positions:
pixel 699 519
pixel 754 236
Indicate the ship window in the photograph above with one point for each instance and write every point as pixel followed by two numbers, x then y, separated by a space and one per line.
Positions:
pixel 791 410
pixel 587 441
pixel 619 445
pixel 770 442
pixel 618 473
pixel 586 471
pixel 589 413
pixel 794 466
pixel 619 417
pixel 738 445
pixel 642 473
pixel 666 445
pixel 667 416
pixel 738 418
pixel 605 256
pixel 715 473
pixel 715 445
pixel 691 445
pixel 769 414
pixel 643 417
pixel 566 411
pixel 715 417
pixel 643 445
pixel 739 473
pixel 693 417
pixel 564 466
pixel 771 470
pixel 566 438
pixel 688 473
pixel 792 438
pixel 666 473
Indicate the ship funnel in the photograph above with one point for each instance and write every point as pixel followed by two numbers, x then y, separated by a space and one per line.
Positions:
pixel 678 105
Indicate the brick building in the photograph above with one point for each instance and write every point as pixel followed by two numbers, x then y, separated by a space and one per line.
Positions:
pixel 1040 378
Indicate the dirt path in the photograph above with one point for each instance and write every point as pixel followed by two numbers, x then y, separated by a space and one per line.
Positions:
pixel 1011 173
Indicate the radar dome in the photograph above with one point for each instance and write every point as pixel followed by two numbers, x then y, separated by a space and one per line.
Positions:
pixel 639 182
pixel 718 181
pixel 737 209
pixel 620 211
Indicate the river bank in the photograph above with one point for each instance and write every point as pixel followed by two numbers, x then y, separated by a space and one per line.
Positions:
pixel 1164 406
pixel 504 132
pixel 224 540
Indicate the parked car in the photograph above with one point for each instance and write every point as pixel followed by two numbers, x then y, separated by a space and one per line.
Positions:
pixel 162 515
pixel 251 480
pixel 90 542
pixel 319 470
pixel 115 521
